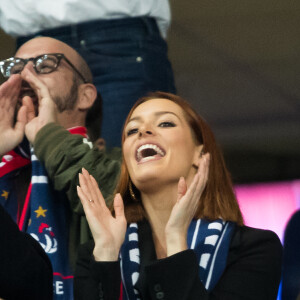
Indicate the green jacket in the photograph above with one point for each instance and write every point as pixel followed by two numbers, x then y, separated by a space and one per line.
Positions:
pixel 64 155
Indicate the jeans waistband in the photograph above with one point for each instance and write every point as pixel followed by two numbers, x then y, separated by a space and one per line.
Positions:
pixel 140 25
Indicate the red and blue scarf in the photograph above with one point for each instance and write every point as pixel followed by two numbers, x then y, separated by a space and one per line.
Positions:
pixel 45 214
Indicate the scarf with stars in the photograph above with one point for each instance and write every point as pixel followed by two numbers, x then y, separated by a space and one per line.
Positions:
pixel 209 240
pixel 45 214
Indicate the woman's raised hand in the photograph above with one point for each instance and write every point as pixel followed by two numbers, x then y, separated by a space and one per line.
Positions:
pixel 108 231
pixel 185 208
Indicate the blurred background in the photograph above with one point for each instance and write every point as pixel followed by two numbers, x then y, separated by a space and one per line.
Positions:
pixel 238 62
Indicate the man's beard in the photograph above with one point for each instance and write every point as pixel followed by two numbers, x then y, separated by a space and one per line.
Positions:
pixel 67 102
pixel 63 103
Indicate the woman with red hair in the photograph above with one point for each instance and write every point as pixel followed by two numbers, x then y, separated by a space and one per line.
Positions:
pixel 175 230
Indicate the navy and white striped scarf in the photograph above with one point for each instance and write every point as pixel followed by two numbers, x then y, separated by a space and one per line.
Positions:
pixel 209 240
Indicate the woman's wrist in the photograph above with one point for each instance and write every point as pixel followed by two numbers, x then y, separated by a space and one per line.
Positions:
pixel 101 253
pixel 176 242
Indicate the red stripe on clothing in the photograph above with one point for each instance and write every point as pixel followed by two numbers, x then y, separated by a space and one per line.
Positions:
pixel 78 130
pixel 121 291
pixel 21 221
pixel 63 277
pixel 15 162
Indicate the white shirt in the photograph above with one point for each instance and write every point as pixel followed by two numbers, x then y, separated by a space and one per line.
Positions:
pixel 24 17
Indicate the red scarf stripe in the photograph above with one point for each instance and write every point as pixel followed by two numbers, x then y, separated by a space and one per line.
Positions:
pixel 21 221
pixel 12 164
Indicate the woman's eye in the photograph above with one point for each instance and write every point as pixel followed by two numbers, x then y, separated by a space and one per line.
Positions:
pixel 166 124
pixel 132 131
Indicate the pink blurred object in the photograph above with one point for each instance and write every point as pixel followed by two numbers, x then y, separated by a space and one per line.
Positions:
pixel 269 205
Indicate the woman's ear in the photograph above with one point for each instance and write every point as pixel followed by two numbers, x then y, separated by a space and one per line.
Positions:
pixel 87 95
pixel 198 154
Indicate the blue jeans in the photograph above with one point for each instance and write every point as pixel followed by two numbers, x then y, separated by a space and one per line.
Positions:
pixel 128 59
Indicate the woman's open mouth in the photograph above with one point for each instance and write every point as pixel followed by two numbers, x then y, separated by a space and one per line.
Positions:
pixel 149 152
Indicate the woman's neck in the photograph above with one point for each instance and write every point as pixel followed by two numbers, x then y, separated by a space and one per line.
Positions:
pixel 158 206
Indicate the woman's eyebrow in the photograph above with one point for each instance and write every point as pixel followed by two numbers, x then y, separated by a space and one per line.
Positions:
pixel 159 113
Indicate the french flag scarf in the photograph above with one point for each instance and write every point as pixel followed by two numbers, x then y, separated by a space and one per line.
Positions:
pixel 45 215
pixel 209 240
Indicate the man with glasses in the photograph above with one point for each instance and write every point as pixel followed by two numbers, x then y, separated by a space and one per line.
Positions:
pixel 124 43
pixel 49 89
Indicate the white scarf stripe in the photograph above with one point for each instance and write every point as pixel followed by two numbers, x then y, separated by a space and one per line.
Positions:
pixel 204 260
pixel 133 237
pixel 215 225
pixel 195 234
pixel 211 240
pixel 33 157
pixel 39 179
pixel 214 258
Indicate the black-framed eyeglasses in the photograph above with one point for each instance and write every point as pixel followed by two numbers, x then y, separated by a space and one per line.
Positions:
pixel 42 64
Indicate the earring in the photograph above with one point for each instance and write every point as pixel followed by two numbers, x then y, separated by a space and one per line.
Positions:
pixel 131 191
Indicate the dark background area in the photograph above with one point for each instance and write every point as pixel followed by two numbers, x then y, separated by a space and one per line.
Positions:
pixel 238 63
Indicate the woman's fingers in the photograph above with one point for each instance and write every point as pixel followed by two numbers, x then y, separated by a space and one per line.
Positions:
pixel 90 188
pixel 193 193
pixel 97 191
pixel 83 198
pixel 203 172
pixel 119 206
pixel 181 188
pixel 84 186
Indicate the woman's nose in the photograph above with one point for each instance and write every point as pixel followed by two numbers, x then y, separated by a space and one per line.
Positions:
pixel 145 132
